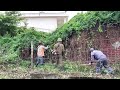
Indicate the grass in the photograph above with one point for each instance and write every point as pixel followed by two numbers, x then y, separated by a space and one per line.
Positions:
pixel 22 70
pixel 68 67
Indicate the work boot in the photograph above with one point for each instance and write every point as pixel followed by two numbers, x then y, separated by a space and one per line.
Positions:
pixel 36 65
pixel 42 63
pixel 110 70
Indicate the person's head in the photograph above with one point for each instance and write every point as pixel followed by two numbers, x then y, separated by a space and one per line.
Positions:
pixel 59 40
pixel 91 49
pixel 40 43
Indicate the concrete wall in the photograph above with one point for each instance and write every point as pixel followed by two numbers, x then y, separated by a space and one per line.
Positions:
pixel 46 22
pixel 42 24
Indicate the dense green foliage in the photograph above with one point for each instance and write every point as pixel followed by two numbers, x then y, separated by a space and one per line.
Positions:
pixel 22 36
pixel 84 21
pixel 14 38
pixel 11 46
pixel 9 22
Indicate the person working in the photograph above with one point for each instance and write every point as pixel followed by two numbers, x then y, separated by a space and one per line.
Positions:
pixel 40 53
pixel 101 59
pixel 58 51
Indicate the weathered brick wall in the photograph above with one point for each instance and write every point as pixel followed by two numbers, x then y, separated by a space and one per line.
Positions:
pixel 106 41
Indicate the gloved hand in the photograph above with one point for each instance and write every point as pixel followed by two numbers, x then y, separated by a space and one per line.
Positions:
pixel 98 61
pixel 90 63
pixel 54 52
pixel 47 46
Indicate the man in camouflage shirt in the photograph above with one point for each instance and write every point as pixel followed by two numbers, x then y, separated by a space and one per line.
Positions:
pixel 58 51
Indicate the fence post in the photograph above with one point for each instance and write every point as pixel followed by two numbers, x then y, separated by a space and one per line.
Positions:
pixel 31 53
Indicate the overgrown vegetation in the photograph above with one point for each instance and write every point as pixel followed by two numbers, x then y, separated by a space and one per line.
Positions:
pixel 9 22
pixel 14 38
pixel 12 71
pixel 85 21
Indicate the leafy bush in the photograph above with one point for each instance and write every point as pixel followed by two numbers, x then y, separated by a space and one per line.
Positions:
pixel 11 46
pixel 9 22
pixel 84 21
pixel 23 40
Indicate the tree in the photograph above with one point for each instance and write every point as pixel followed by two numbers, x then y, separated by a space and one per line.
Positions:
pixel 9 22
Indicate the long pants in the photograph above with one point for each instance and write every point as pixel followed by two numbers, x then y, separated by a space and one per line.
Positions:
pixel 103 63
pixel 40 60
pixel 58 59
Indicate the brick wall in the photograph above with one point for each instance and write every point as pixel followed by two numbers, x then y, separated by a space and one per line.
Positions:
pixel 78 48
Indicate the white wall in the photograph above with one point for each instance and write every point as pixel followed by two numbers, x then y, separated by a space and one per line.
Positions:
pixel 43 24
pixel 71 14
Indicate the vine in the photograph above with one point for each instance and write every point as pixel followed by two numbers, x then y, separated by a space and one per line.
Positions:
pixel 84 21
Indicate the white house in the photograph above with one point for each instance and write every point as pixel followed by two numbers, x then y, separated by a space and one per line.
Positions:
pixel 44 21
